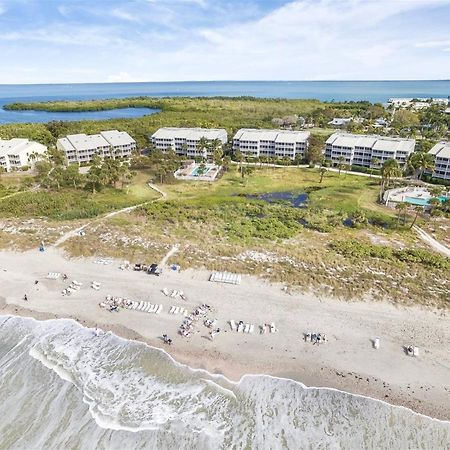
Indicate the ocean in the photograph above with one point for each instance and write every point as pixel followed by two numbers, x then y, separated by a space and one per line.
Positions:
pixel 373 91
pixel 61 386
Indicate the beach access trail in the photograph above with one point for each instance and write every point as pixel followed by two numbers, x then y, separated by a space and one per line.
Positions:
pixel 347 361
pixel 433 243
pixel 72 233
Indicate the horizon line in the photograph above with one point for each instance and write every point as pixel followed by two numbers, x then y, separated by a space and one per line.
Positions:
pixel 227 81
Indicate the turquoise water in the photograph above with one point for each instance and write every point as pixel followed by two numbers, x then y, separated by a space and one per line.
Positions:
pixel 195 172
pixel 421 201
pixel 374 91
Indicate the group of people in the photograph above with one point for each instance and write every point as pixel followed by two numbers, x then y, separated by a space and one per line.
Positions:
pixel 187 327
pixel 316 338
pixel 166 339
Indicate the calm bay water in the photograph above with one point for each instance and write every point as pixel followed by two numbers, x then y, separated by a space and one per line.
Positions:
pixel 374 91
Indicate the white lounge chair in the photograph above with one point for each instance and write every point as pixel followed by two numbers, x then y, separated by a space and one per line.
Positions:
pixel 172 309
pixel 77 283
pixel 233 325
pixel 416 351
pixel 145 307
pixel 174 293
pixel 140 306
pixel 240 327
pixel 177 310
pixel 376 343
pixel 94 286
pixel 247 328
pixel 152 308
pixel 160 307
pixel 252 328
pixel 165 292
pixel 272 328
pixel 69 289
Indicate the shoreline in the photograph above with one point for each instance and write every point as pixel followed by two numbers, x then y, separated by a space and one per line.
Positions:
pixel 28 314
pixel 235 355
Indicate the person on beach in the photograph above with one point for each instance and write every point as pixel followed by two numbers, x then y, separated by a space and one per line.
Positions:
pixel 25 297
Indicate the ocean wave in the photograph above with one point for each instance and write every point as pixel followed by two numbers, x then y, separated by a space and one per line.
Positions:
pixel 126 394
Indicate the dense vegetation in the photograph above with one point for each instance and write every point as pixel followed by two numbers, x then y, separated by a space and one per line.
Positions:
pixel 229 113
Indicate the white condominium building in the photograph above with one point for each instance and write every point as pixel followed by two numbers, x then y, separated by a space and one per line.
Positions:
pixel 441 153
pixel 184 141
pixel 16 153
pixel 271 143
pixel 361 150
pixel 81 148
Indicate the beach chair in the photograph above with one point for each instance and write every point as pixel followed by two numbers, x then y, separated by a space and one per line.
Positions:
pixel 247 328
pixel 177 310
pixel 69 289
pixel 416 351
pixel 153 308
pixel 134 305
pixel 272 328
pixel 172 309
pixel 77 283
pixel 252 328
pixel 233 325
pixel 174 293
pixel 140 306
pixel 145 307
pixel 240 327
pixel 97 288
pixel 160 307
pixel 165 292
pixel 376 343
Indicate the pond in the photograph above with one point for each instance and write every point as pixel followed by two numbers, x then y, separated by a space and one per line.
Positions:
pixel 294 199
pixel 12 116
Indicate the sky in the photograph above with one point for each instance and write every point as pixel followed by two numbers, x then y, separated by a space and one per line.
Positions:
pixel 58 41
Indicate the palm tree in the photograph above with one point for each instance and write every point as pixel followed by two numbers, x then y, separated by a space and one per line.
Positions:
pixel 323 171
pixel 418 210
pixel 341 161
pixel 401 208
pixel 422 162
pixel 239 157
pixel 389 170
pixel 203 145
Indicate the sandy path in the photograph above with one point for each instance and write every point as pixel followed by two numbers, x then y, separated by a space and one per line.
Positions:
pixel 347 362
pixel 72 233
pixel 436 245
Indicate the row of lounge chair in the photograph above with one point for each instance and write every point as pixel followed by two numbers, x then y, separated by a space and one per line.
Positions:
pixel 177 310
pixel 145 307
pixel 174 293
pixel 73 287
pixel 53 275
pixel 242 327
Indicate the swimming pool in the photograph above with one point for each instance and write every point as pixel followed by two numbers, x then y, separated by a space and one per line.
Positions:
pixel 197 173
pixel 421 201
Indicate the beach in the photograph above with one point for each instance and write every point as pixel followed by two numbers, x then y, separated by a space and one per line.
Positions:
pixel 347 362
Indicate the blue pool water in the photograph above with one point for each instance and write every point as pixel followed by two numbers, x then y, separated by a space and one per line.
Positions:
pixel 195 172
pixel 421 201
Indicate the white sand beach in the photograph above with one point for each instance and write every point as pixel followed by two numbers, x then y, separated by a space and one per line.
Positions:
pixel 347 361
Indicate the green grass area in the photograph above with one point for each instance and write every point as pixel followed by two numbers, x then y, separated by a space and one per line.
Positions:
pixel 229 113
pixel 223 209
pixel 70 204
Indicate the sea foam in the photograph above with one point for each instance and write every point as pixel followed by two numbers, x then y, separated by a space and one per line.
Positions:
pixel 62 385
